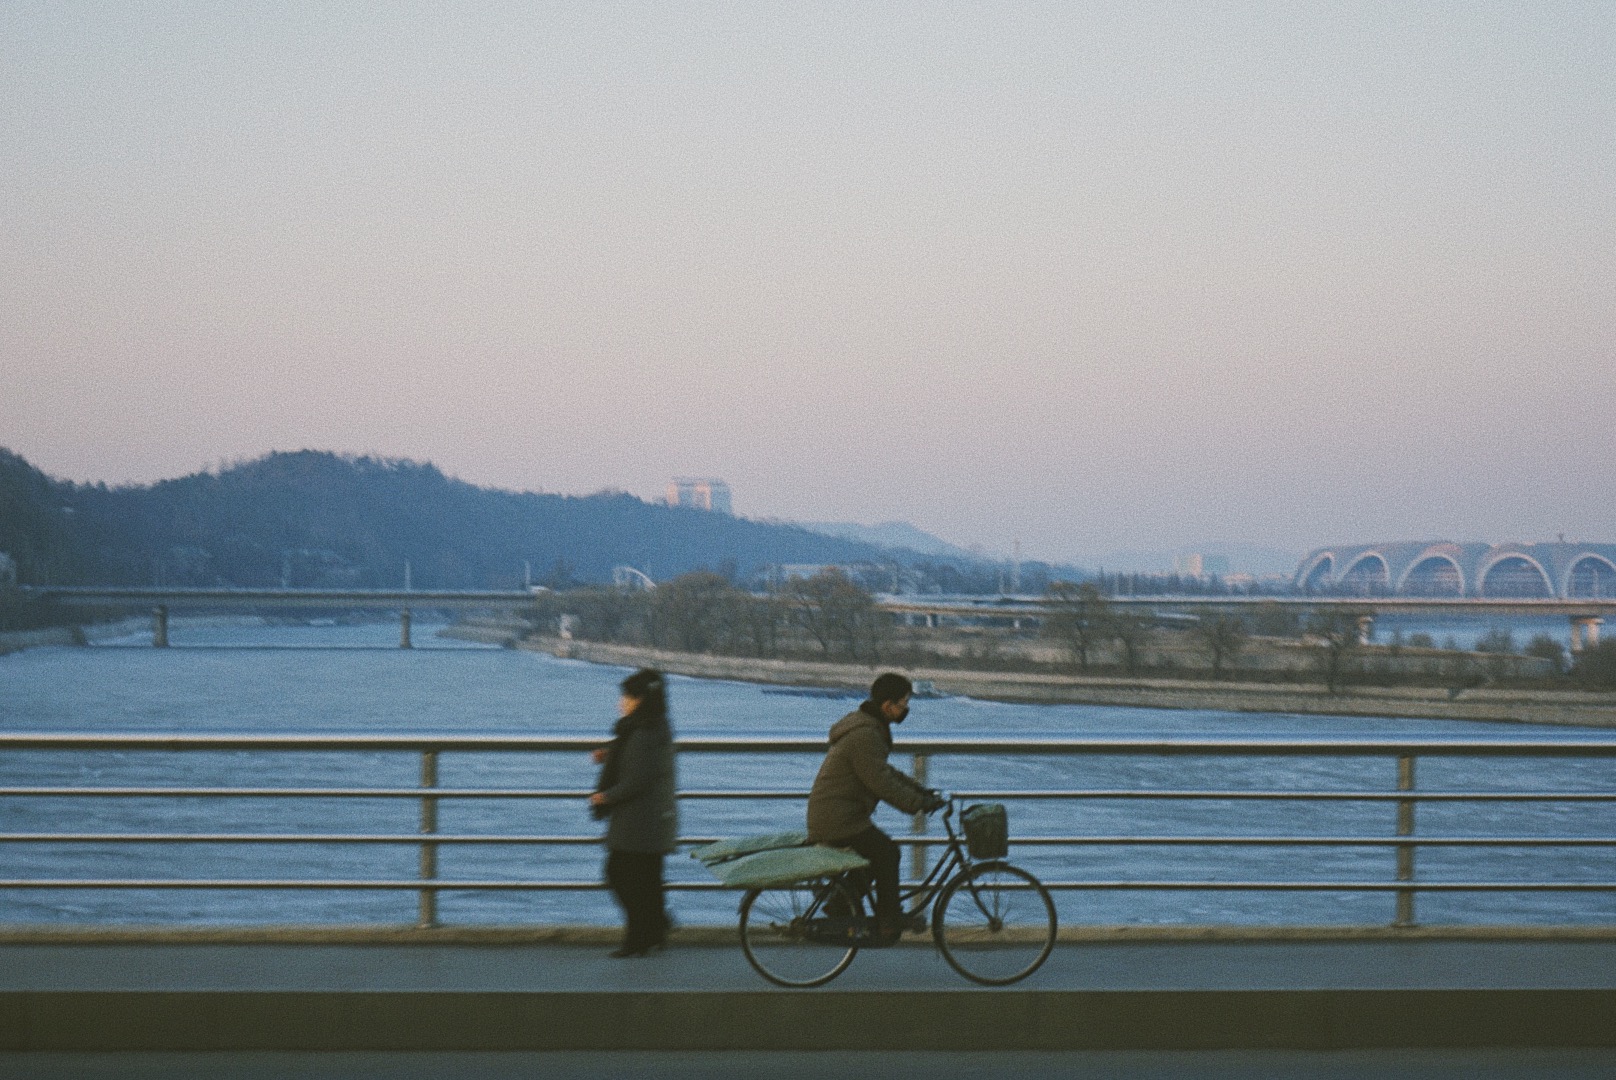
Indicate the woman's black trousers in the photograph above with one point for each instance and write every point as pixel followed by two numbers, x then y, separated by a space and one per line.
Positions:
pixel 635 878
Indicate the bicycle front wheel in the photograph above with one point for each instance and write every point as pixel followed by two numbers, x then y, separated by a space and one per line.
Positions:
pixel 994 923
pixel 802 934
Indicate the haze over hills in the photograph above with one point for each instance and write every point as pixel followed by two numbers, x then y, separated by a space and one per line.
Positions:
pixel 893 534
pixel 320 519
pixel 1243 559
pixel 314 518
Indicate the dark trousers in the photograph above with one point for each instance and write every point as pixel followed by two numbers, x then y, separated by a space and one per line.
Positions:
pixel 882 851
pixel 635 878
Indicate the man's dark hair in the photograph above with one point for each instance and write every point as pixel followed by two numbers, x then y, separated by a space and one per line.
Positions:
pixel 890 687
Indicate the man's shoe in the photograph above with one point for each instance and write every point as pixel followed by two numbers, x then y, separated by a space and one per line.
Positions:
pixel 883 937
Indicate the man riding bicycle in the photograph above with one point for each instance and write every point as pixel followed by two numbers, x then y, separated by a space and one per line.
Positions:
pixel 854 779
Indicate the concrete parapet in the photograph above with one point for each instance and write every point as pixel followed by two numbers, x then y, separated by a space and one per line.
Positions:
pixel 1187 996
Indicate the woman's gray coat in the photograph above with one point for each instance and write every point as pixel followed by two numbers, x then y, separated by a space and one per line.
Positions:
pixel 640 805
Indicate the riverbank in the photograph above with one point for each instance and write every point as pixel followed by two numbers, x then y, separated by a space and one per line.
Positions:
pixel 15 640
pixel 86 634
pixel 1567 708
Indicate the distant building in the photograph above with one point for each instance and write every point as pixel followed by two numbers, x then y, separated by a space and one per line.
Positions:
pixel 711 495
pixel 1197 565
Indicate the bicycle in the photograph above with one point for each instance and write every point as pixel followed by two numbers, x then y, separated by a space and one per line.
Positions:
pixel 993 922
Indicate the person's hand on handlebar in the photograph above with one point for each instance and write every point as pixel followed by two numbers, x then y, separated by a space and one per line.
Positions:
pixel 935 801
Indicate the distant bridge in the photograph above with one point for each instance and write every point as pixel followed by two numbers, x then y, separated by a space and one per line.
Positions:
pixel 1559 571
pixel 1586 614
pixel 160 600
pixel 347 599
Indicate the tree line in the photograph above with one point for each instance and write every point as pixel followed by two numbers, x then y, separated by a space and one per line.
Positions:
pixel 1086 624
pixel 827 615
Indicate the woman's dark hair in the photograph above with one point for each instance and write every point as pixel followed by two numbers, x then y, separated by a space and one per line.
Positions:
pixel 648 688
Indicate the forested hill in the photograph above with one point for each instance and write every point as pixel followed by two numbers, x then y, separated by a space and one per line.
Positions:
pixel 321 519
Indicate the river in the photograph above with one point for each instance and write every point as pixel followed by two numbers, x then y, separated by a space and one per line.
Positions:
pixel 241 676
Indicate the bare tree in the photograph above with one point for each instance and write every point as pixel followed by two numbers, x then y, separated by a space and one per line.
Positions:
pixel 1221 637
pixel 688 612
pixel 1335 632
pixel 841 617
pixel 752 624
pixel 1079 618
pixel 1131 631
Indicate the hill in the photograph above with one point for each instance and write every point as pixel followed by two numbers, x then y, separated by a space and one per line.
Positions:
pixel 894 534
pixel 312 518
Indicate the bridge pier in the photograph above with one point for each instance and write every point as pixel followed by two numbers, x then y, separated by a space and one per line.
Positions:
pixel 1584 632
pixel 1366 629
pixel 404 629
pixel 159 626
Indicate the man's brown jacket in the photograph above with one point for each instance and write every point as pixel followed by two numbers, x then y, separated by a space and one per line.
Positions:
pixel 855 777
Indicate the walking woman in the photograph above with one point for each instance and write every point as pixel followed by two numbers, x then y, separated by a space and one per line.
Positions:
pixel 635 795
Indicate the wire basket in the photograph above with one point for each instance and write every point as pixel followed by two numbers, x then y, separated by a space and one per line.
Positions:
pixel 987 830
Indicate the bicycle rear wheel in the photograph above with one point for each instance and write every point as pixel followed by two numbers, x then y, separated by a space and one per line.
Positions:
pixel 802 934
pixel 994 923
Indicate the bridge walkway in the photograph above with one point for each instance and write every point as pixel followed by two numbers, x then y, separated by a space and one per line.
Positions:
pixel 1157 996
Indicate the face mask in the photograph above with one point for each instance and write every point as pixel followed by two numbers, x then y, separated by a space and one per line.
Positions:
pixel 900 717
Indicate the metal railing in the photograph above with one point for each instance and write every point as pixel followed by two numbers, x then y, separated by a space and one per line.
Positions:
pixel 1401 791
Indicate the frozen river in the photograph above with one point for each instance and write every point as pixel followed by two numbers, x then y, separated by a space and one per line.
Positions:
pixel 247 678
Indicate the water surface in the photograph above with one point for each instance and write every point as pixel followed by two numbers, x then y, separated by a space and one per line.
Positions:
pixel 244 677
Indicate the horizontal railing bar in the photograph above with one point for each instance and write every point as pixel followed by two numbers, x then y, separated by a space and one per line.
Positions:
pixel 581 793
pixel 1286 841
pixel 292 838
pixel 413 885
pixel 303 793
pixel 1319 796
pixel 1339 886
pixel 365 793
pixel 444 884
pixel 915 841
pixel 1152 747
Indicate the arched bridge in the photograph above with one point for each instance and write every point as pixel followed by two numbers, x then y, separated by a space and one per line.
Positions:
pixel 1549 571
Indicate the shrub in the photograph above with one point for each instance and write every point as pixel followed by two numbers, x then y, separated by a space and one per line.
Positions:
pixel 1596 667
pixel 1547 648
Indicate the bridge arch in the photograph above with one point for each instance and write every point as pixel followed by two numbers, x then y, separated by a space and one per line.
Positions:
pixel 627 577
pixel 1590 576
pixel 1435 573
pixel 1316 577
pixel 1514 574
pixel 1367 575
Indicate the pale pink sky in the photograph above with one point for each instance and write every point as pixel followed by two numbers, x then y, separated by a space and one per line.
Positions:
pixel 1100 277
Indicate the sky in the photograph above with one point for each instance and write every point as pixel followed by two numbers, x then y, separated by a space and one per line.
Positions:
pixel 1094 277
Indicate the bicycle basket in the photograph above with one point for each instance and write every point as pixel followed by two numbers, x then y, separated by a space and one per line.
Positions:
pixel 987 830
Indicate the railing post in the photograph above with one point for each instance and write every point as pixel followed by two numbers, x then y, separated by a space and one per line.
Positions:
pixel 159 626
pixel 1405 852
pixel 404 629
pixel 429 826
pixel 917 826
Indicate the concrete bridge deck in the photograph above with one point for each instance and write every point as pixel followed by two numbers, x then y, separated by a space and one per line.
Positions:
pixel 1156 996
